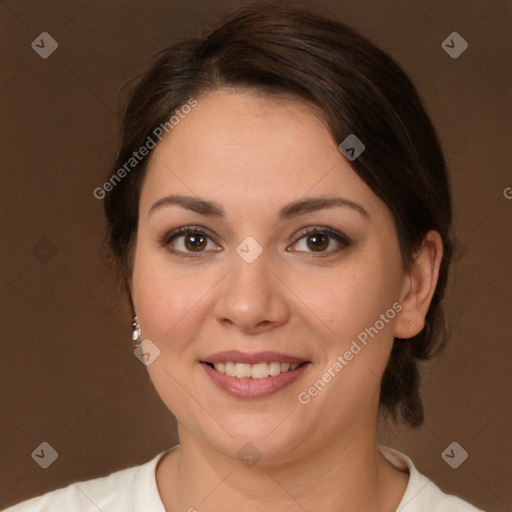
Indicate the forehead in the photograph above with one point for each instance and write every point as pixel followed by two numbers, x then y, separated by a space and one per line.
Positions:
pixel 249 149
pixel 247 131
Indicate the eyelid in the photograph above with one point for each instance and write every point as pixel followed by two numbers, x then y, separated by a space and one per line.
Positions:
pixel 323 230
pixel 340 237
pixel 331 233
pixel 184 230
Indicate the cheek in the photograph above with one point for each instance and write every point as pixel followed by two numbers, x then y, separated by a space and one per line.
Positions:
pixel 356 303
pixel 170 307
pixel 168 302
pixel 352 297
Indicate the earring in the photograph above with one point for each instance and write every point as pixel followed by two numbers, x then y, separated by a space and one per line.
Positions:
pixel 136 331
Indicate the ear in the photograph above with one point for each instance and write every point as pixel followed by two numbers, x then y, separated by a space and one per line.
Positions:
pixel 419 286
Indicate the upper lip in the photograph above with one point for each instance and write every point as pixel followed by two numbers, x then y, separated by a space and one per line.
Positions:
pixel 236 356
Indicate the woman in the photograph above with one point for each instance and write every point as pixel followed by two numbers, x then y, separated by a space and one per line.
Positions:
pixel 280 213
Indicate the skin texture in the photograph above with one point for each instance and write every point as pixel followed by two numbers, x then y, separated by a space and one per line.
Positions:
pixel 252 155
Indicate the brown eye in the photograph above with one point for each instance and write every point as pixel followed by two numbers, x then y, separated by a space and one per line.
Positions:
pixel 318 242
pixel 195 242
pixel 188 240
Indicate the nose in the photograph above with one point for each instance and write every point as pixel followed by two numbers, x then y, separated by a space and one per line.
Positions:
pixel 252 297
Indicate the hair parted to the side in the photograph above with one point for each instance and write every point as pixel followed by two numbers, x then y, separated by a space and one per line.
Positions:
pixel 360 90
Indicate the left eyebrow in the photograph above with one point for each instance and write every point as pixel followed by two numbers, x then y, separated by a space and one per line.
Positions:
pixel 318 203
pixel 293 209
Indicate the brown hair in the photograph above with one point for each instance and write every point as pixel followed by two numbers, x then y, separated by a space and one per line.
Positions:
pixel 360 89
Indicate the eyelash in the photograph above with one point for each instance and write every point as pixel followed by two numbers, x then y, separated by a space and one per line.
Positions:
pixel 185 230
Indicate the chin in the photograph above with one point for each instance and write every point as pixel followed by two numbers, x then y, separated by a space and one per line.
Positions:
pixel 258 441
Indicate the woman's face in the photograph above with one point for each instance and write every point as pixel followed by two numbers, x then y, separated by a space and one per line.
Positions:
pixel 254 283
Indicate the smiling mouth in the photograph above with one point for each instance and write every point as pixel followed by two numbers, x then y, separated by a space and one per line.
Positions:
pixel 254 371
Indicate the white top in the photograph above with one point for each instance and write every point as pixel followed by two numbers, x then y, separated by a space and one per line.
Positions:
pixel 134 490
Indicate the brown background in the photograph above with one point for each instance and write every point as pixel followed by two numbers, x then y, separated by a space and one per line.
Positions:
pixel 68 374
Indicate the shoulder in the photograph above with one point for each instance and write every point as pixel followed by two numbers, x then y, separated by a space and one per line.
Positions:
pixel 423 495
pixel 120 491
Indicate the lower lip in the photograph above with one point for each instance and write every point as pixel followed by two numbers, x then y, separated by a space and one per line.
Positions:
pixel 253 388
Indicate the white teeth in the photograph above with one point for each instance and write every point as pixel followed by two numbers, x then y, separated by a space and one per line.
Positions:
pixel 230 369
pixel 255 371
pixel 274 369
pixel 242 370
pixel 220 367
pixel 259 371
